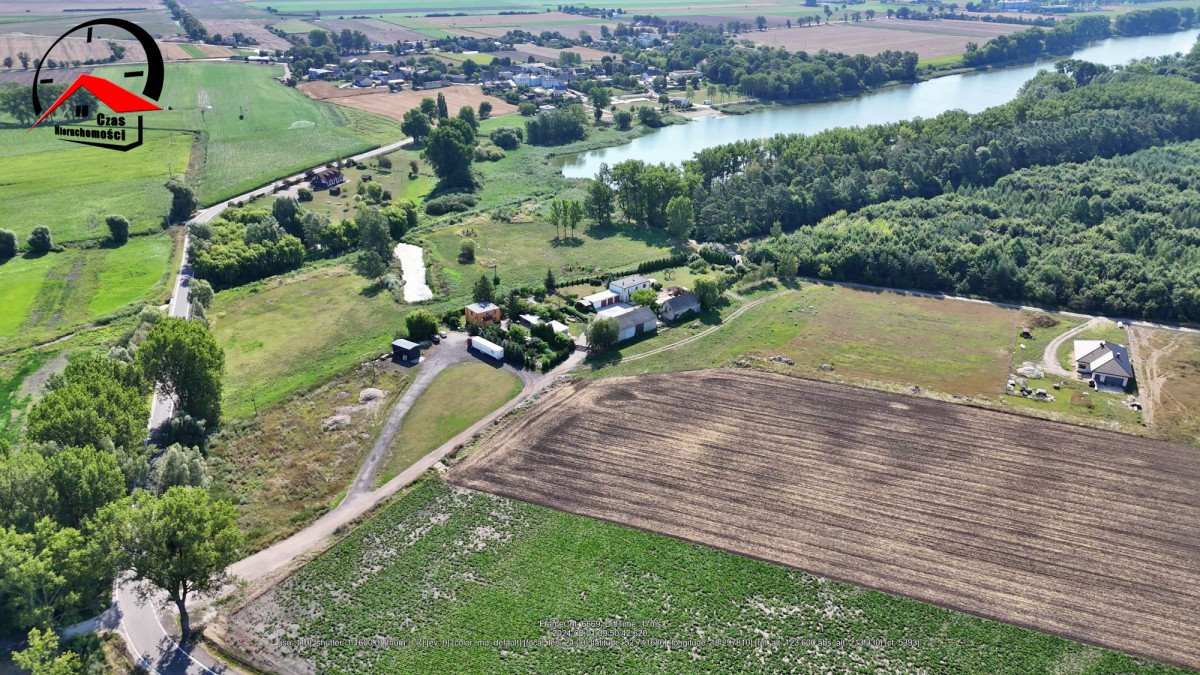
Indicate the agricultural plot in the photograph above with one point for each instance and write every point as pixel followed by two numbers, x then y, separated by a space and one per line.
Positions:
pixel 929 39
pixel 549 53
pixel 155 20
pixel 446 563
pixel 70 49
pixel 379 30
pixel 1168 365
pixel 256 130
pixel 48 295
pixel 394 105
pixel 70 188
pixel 970 509
pixel 254 28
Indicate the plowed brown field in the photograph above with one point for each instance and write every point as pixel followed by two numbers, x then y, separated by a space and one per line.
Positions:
pixel 1083 533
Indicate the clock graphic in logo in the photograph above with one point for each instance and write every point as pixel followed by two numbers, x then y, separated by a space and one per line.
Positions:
pixel 135 91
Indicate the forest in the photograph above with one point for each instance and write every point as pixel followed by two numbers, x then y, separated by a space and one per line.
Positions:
pixel 1116 236
pixel 1076 114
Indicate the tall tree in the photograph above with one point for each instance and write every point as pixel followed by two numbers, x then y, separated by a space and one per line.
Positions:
pixel 443 110
pixel 416 124
pixel 187 363
pixel 484 290
pixel 599 200
pixel 181 542
pixel 602 334
pixel 467 114
pixel 600 97
pixel 118 228
pixel 550 283
pixel 85 479
pixel 374 233
pixel 450 150
pixel 42 657
pixel 679 216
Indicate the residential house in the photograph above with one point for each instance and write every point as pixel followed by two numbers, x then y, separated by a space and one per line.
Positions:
pixel 323 180
pixel 634 322
pixel 627 286
pixel 1105 363
pixel 482 314
pixel 678 306
pixel 319 73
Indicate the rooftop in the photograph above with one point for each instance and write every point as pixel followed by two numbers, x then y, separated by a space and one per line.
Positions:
pixel 478 307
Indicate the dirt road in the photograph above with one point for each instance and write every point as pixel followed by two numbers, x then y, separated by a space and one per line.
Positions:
pixel 1050 356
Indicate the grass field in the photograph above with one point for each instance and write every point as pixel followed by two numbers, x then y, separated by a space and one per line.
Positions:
pixel 457 398
pixel 442 563
pixel 966 508
pixel 13 401
pixel 293 332
pixel 255 129
pixel 287 469
pixel 70 188
pixel 49 295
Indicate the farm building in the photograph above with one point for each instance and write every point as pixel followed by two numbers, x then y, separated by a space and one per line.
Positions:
pixel 679 305
pixel 1105 363
pixel 482 314
pixel 529 320
pixel 486 347
pixel 319 74
pixel 598 301
pixel 635 321
pixel 326 179
pixel 406 351
pixel 627 286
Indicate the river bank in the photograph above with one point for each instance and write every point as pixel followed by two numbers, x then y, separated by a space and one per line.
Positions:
pixel 972 92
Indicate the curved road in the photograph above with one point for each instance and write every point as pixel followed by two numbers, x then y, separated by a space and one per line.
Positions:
pixel 1050 355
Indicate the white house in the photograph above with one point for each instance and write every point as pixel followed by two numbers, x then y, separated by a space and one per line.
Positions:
pixel 627 286
pixel 1103 362
pixel 599 301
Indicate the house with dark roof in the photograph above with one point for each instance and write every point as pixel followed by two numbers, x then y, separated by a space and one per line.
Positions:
pixel 1103 362
pixel 674 307
pixel 326 179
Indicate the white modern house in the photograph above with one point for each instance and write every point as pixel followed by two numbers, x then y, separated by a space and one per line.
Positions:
pixel 627 286
pixel 1105 363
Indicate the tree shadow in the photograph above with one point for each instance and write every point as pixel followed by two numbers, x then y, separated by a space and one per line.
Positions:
pixel 566 242
pixel 372 290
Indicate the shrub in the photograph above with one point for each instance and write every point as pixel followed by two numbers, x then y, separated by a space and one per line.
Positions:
pixel 304 195
pixel 507 138
pixel 715 255
pixel 466 251
pixel 39 240
pixel 421 325
pixel 118 228
pixel 487 151
pixel 8 244
pixel 451 203
pixel 385 162
pixel 602 334
pixel 624 119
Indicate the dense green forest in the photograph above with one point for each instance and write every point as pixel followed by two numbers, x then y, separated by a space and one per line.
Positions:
pixel 1118 236
pixel 1076 114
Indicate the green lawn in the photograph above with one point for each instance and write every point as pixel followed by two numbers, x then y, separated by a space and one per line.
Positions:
pixel 193 51
pixel 292 332
pixel 54 293
pixel 457 398
pixel 70 188
pixel 447 564
pixel 13 402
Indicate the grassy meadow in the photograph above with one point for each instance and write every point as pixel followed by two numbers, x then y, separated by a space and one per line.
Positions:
pixel 51 294
pixel 442 563
pixel 458 397
pixel 292 332
pixel 70 188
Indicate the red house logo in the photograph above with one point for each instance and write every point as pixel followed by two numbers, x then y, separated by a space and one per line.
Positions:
pixel 116 131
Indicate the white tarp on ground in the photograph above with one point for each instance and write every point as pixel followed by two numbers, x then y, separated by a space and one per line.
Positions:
pixel 412 264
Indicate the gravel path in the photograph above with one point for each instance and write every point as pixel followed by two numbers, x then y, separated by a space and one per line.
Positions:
pixel 1050 356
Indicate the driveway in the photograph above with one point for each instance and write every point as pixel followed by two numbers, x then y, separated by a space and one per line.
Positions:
pixel 1050 362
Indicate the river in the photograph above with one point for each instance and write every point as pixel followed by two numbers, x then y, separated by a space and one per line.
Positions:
pixel 972 92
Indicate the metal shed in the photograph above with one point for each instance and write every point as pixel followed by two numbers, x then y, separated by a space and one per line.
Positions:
pixel 406 351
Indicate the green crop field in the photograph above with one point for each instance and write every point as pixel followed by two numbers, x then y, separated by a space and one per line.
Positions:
pixel 292 332
pixel 49 295
pixel 457 398
pixel 193 51
pixel 256 129
pixel 443 563
pixel 70 187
